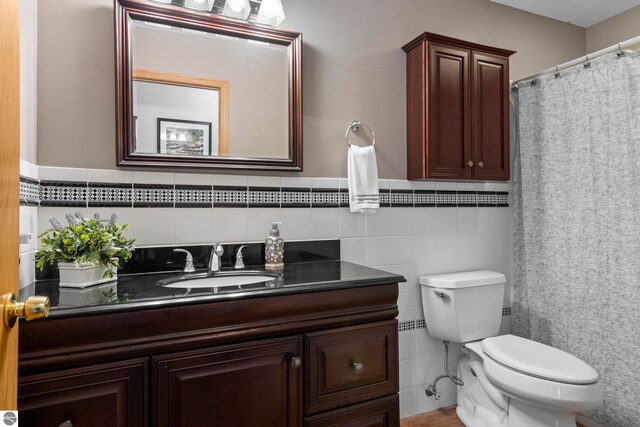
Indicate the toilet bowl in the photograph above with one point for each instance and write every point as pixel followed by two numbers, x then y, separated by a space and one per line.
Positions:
pixel 545 386
pixel 509 381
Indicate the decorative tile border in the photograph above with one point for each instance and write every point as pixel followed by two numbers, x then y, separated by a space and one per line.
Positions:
pixel 108 194
pixel 193 196
pixel 63 193
pixel 80 194
pixel 230 197
pixel 264 197
pixel 153 196
pixel 326 198
pixel 296 197
pixel 29 191
pixel 410 325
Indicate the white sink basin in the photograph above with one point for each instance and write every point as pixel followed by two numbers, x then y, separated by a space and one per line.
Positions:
pixel 200 281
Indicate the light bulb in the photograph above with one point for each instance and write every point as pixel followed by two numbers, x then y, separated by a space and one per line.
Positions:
pixel 270 8
pixel 199 1
pixel 236 5
pixel 182 137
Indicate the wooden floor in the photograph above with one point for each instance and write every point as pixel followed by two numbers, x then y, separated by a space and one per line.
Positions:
pixel 444 417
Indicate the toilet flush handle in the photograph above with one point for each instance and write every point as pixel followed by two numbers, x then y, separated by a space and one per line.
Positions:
pixel 441 294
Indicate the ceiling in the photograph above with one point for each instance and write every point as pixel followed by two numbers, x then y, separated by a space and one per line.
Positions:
pixel 583 13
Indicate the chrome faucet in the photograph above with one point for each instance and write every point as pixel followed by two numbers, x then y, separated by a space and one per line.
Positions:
pixel 214 262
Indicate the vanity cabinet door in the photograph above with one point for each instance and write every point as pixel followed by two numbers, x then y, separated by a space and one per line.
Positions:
pixel 249 384
pixel 109 395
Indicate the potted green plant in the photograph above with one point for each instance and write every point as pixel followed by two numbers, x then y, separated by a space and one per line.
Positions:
pixel 88 250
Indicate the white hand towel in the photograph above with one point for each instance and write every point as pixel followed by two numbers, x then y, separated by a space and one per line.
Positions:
pixel 362 171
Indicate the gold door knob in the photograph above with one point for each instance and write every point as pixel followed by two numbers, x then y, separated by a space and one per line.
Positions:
pixel 34 308
pixel 480 164
pixel 469 163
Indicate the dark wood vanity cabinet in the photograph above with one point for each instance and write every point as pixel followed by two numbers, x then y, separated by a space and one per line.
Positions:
pixel 326 358
pixel 457 109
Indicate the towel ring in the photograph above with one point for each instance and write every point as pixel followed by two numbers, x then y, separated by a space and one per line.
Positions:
pixel 356 125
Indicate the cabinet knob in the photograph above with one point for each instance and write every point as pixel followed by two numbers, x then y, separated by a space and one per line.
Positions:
pixel 66 424
pixel 296 362
pixel 469 164
pixel 358 367
pixel 480 164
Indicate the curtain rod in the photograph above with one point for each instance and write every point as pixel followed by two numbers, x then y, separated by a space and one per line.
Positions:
pixel 582 59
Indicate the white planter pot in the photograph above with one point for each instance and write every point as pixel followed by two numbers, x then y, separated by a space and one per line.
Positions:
pixel 74 275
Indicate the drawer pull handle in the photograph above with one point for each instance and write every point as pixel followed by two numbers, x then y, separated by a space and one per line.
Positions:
pixel 358 367
pixel 66 424
pixel 296 362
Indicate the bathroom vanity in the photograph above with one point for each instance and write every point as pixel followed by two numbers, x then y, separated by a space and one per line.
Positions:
pixel 318 348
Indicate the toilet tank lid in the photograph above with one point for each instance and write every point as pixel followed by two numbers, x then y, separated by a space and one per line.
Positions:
pixel 538 360
pixel 463 280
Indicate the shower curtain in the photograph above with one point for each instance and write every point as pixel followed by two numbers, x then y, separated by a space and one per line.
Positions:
pixel 577 223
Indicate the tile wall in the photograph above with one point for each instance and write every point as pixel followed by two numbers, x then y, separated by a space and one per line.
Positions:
pixel 29 197
pixel 422 228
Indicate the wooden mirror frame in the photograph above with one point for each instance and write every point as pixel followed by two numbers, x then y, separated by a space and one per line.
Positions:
pixel 142 10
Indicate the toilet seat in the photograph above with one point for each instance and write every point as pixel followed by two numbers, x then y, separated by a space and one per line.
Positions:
pixel 538 360
pixel 554 395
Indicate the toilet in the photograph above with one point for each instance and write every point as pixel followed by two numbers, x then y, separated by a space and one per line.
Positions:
pixel 508 380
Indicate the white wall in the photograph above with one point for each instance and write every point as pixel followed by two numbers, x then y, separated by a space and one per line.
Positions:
pixel 28 226
pixel 28 80
pixel 28 130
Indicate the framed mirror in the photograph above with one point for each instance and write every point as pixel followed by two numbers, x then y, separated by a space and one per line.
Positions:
pixel 197 90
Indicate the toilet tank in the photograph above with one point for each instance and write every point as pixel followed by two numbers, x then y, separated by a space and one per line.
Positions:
pixel 463 307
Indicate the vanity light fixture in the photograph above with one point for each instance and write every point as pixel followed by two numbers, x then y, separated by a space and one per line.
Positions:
pixel 238 9
pixel 271 13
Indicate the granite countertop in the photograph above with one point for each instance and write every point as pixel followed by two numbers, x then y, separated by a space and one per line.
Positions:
pixel 140 291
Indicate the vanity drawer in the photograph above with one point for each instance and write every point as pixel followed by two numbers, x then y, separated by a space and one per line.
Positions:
pixel 384 412
pixel 350 365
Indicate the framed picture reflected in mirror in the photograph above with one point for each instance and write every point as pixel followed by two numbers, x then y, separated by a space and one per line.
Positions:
pixel 184 137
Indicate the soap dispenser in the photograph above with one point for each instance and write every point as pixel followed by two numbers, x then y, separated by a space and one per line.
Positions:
pixel 274 248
